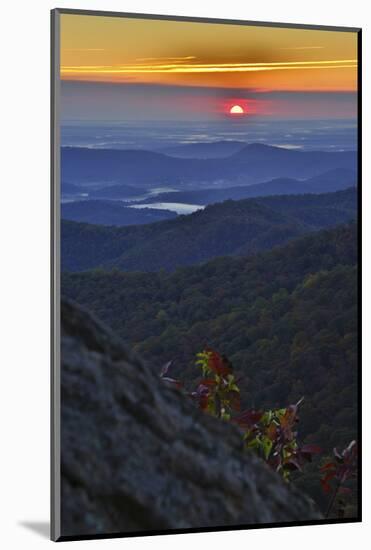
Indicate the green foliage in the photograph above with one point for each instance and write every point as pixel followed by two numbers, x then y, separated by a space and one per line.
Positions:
pixel 272 434
pixel 231 228
pixel 336 475
pixel 286 319
pixel 217 392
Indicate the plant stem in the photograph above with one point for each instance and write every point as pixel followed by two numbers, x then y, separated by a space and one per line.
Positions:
pixel 332 500
pixel 218 406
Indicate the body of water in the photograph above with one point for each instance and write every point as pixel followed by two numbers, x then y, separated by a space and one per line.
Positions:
pixel 177 207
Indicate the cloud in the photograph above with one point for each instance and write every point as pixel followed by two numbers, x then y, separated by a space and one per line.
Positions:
pixel 303 48
pixel 187 68
pixel 84 50
pixel 159 59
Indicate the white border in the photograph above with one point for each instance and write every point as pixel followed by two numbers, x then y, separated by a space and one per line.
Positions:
pixel 25 286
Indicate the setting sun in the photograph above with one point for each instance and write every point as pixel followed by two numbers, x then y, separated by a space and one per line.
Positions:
pixel 236 110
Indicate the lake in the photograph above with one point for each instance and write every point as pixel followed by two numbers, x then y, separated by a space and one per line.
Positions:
pixel 177 207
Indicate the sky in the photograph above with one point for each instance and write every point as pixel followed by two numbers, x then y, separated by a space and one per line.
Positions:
pixel 126 69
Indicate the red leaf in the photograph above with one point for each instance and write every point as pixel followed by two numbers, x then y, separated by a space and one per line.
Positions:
pixel 328 466
pixel 328 476
pixel 272 432
pixel 248 418
pixel 203 402
pixel 219 364
pixel 202 396
pixel 235 400
pixel 325 486
pixel 209 382
pixel 288 418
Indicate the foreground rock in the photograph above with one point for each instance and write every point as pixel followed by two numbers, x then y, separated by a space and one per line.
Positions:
pixel 136 455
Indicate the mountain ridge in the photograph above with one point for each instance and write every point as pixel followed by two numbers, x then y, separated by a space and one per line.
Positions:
pixel 207 149
pixel 254 162
pixel 228 228
pixel 331 181
pixel 105 212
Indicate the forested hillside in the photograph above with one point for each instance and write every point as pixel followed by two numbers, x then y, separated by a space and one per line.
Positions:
pixel 105 212
pixel 287 319
pixel 229 228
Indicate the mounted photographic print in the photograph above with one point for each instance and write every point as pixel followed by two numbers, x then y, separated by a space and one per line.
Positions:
pixel 205 203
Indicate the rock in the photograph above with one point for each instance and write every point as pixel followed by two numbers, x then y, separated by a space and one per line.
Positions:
pixel 137 455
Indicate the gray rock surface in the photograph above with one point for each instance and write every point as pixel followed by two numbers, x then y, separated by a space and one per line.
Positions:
pixel 137 455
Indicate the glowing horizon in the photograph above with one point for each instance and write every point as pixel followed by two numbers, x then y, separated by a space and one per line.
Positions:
pixel 183 53
pixel 183 68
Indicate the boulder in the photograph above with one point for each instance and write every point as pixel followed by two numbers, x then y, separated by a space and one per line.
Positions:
pixel 137 456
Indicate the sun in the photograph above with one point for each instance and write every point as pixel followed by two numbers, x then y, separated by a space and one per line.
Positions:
pixel 236 110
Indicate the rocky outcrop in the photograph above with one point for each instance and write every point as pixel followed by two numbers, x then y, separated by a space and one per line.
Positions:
pixel 137 455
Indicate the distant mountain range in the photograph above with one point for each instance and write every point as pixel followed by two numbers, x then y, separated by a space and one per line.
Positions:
pixel 334 180
pixel 251 164
pixel 103 212
pixel 71 189
pixel 206 150
pixel 120 191
pixel 230 228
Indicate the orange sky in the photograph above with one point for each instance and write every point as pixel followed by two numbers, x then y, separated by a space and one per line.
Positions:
pixel 115 49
